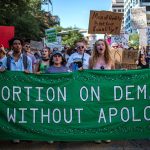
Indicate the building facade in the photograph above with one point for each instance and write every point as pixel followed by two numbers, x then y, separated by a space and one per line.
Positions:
pixel 128 5
pixel 118 6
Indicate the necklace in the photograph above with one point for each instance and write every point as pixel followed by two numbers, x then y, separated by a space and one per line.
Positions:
pixel 45 59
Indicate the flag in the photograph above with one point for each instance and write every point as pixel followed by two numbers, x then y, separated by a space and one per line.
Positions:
pixel 6 34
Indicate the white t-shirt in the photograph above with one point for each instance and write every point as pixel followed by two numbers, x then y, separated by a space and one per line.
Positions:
pixel 78 57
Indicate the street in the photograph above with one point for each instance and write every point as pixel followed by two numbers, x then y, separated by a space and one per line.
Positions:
pixel 114 145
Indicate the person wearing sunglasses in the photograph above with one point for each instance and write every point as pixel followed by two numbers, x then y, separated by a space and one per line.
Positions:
pixel 79 60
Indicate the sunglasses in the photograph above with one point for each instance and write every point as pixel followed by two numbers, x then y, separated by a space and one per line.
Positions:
pixel 28 46
pixel 80 47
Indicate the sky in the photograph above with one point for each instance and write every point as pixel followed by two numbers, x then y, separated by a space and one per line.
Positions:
pixel 75 13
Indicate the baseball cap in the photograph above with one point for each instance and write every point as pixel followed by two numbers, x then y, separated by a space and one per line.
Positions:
pixel 57 53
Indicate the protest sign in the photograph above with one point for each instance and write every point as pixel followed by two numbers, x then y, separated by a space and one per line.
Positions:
pixel 6 34
pixel 102 22
pixel 125 66
pixel 138 17
pixel 130 56
pixel 128 66
pixel 143 37
pixel 36 45
pixel 57 44
pixel 50 35
pixel 124 58
pixel 121 40
pixel 87 105
pixel 116 54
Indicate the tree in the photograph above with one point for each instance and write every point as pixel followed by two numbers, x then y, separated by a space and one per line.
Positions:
pixel 69 35
pixel 27 17
pixel 47 1
pixel 134 40
pixel 71 38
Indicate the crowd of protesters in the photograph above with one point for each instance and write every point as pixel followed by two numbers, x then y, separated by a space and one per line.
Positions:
pixel 22 57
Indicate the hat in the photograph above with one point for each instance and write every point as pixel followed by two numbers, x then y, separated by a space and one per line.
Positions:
pixel 57 53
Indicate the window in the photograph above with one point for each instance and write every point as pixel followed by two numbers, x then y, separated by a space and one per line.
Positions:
pixel 147 8
pixel 145 0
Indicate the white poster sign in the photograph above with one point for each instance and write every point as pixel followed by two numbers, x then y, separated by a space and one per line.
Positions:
pixel 57 44
pixel 143 37
pixel 36 44
pixel 121 40
pixel 138 18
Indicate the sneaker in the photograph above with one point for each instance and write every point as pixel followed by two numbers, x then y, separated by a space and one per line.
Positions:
pixel 16 141
pixel 98 141
pixel 50 142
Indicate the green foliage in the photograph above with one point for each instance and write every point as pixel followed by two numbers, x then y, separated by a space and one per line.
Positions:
pixel 26 16
pixel 71 38
pixel 134 40
pixel 69 35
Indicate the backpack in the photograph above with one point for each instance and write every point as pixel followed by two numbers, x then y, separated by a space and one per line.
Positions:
pixel 25 64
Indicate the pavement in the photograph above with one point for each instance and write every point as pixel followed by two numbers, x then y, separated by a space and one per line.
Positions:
pixel 114 145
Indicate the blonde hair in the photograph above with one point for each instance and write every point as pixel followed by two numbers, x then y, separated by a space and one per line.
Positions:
pixel 95 54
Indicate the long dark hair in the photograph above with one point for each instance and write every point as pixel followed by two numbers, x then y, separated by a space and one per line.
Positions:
pixel 63 63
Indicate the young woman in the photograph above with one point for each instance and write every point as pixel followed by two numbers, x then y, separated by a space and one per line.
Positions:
pixel 101 58
pixel 57 63
pixel 142 61
pixel 44 62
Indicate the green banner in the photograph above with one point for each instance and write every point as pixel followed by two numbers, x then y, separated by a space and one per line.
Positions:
pixel 86 105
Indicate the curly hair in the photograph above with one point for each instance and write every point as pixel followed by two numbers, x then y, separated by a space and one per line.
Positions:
pixel 95 54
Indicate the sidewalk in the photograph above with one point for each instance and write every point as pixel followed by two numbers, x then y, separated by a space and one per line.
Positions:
pixel 114 145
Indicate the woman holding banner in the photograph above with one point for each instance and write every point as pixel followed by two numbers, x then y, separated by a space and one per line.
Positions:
pixel 101 59
pixel 44 63
pixel 57 63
